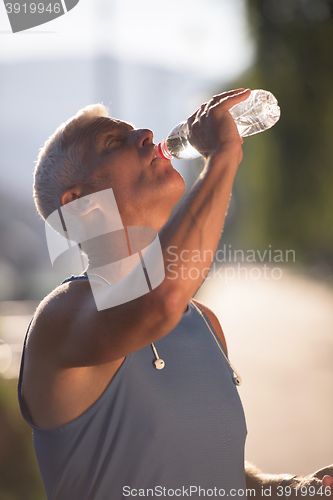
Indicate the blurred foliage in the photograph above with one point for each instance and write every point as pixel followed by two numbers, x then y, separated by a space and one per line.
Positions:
pixel 284 190
pixel 19 473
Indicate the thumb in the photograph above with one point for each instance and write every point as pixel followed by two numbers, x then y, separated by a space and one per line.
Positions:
pixel 328 483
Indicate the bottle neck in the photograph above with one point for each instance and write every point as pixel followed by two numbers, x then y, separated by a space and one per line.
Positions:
pixel 163 150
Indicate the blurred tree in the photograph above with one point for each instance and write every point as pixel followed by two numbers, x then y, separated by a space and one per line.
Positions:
pixel 19 474
pixel 284 190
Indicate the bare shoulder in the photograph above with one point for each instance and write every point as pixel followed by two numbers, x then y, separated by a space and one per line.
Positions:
pixel 63 298
pixel 214 322
pixel 55 316
pixel 68 327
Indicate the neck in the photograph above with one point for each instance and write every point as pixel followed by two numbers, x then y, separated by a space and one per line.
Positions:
pixel 118 245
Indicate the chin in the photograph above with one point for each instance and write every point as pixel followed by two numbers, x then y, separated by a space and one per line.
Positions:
pixel 177 184
pixel 168 194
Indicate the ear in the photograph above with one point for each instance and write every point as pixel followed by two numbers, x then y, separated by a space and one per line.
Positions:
pixel 76 203
pixel 70 195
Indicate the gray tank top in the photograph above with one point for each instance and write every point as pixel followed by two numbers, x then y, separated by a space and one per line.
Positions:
pixel 153 433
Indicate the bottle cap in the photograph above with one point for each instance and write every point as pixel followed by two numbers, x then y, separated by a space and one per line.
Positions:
pixel 163 150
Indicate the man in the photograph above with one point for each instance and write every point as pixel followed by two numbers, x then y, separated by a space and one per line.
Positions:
pixel 107 424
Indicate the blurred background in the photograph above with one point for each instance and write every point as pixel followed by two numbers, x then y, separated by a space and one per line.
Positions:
pixel 153 64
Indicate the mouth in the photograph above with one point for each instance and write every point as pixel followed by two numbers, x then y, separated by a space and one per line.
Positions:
pixel 157 155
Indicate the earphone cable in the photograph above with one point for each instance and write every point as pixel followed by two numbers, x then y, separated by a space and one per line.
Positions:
pixel 237 377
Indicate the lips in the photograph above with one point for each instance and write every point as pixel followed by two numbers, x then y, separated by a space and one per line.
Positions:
pixel 156 152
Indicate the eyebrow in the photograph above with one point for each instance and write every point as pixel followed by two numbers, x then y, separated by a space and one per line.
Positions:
pixel 108 128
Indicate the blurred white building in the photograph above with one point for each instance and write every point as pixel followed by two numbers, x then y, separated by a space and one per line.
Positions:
pixel 36 96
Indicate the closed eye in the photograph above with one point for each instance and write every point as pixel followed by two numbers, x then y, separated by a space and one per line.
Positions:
pixel 112 141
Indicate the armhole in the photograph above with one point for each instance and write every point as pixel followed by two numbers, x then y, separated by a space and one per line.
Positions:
pixel 217 338
pixel 22 404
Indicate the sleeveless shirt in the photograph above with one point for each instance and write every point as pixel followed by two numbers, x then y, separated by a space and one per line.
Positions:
pixel 179 431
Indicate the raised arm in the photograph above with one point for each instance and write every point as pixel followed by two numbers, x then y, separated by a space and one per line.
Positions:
pixel 199 220
pixel 111 334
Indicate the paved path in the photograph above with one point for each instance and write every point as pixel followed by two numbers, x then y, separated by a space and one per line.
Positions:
pixel 280 338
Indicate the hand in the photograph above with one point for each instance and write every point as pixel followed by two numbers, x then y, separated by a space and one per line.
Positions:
pixel 212 128
pixel 326 476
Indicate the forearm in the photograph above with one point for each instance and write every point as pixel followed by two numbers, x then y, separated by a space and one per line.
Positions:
pixel 259 482
pixel 195 228
pixel 279 486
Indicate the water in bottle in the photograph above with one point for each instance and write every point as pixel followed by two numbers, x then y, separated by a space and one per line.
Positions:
pixel 257 113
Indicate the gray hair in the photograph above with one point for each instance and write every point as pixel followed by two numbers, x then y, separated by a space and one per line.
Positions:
pixel 60 161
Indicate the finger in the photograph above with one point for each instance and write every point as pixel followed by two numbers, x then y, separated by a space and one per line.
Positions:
pixel 197 113
pixel 229 93
pixel 219 97
pixel 203 108
pixel 328 482
pixel 216 98
pixel 231 100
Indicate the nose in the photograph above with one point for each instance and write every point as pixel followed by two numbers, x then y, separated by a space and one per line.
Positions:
pixel 144 136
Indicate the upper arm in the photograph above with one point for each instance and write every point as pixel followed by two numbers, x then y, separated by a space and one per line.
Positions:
pixel 70 330
pixel 214 322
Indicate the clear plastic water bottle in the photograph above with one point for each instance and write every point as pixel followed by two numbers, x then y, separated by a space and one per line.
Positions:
pixel 257 113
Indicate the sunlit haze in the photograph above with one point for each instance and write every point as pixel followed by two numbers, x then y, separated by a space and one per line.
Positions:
pixel 209 37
